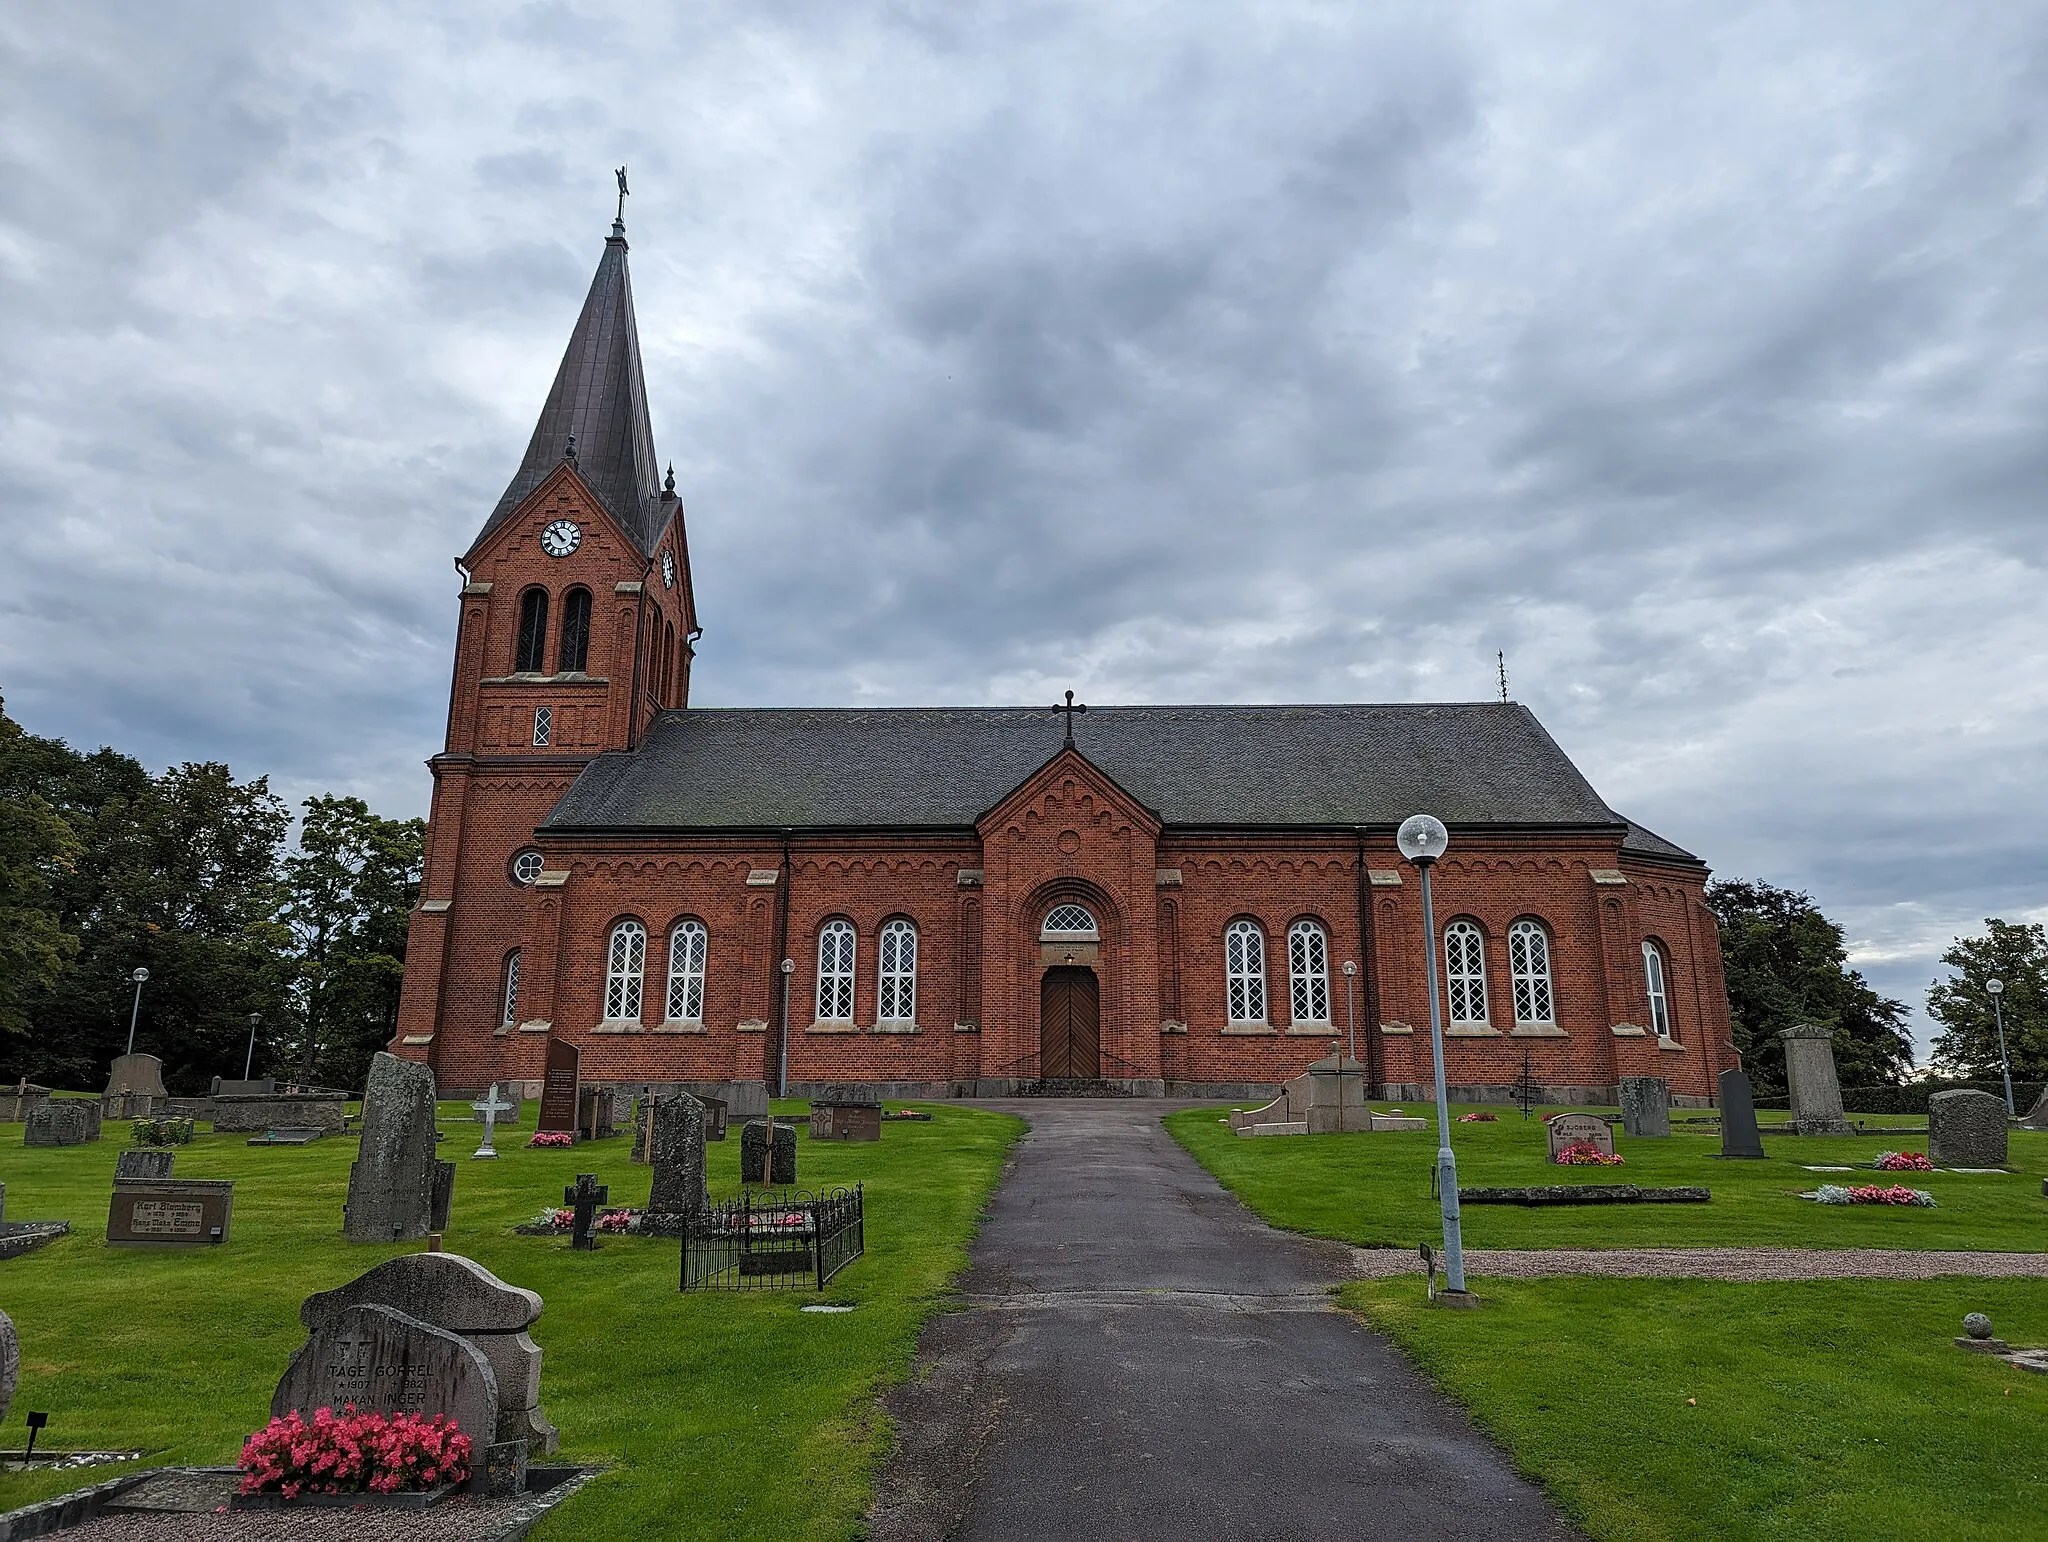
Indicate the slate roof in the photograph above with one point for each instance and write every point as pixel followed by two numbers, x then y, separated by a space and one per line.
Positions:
pixel 600 396
pixel 1648 843
pixel 1475 763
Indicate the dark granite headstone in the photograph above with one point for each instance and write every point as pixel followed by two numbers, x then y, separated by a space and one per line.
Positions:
pixel 714 1118
pixel 385 1361
pixel 391 1184
pixel 1645 1105
pixel 559 1088
pixel 62 1122
pixel 676 1148
pixel 143 1164
pixel 444 1196
pixel 846 1121
pixel 1966 1129
pixel 170 1212
pixel 459 1295
pixel 767 1157
pixel 1740 1137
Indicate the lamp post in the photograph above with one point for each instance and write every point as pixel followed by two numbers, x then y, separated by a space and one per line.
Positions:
pixel 1350 1009
pixel 249 1059
pixel 135 1011
pixel 782 1062
pixel 1422 839
pixel 1997 989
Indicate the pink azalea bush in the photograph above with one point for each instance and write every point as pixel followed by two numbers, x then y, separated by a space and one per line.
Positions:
pixel 354 1453
pixel 553 1138
pixel 1585 1154
pixel 1902 1162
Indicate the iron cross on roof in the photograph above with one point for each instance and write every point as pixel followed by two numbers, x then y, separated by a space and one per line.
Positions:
pixel 1071 710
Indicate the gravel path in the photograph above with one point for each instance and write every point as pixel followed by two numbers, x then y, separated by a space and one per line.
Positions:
pixel 1714 1263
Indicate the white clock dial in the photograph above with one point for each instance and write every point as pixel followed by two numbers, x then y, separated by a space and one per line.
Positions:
pixel 561 538
pixel 668 570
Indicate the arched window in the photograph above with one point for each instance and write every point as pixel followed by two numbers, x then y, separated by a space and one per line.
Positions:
pixel 835 972
pixel 1069 923
pixel 668 663
pixel 1244 971
pixel 1529 964
pixel 533 633
pixel 1308 972
pixel 511 1016
pixel 1654 974
pixel 686 948
pixel 575 652
pixel 1465 972
pixel 628 959
pixel 897 1001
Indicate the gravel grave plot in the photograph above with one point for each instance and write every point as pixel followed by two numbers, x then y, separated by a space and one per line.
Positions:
pixel 1714 1263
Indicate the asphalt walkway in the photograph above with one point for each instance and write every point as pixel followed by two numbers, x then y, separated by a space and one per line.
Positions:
pixel 1141 1357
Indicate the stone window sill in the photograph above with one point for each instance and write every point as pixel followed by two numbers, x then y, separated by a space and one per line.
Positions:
pixel 1628 1031
pixel 1252 1030
pixel 1311 1030
pixel 832 1027
pixel 1396 1030
pixel 678 1025
pixel 536 1025
pixel 613 1025
pixel 752 1025
pixel 417 1038
pixel 1671 1044
pixel 1472 1031
pixel 897 1028
pixel 1538 1031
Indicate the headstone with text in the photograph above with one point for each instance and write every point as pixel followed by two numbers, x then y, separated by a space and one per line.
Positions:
pixel 1645 1105
pixel 170 1212
pixel 62 1122
pixel 1740 1138
pixel 559 1088
pixel 1966 1129
pixel 1580 1130
pixel 385 1361
pixel 392 1184
pixel 846 1113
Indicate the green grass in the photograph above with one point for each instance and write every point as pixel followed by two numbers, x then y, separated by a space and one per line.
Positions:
pixel 1833 1408
pixel 1374 1190
pixel 720 1414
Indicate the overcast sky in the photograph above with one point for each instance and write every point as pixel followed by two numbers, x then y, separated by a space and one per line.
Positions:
pixel 1694 355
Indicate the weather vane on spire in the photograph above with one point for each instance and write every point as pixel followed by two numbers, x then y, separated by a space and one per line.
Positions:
pixel 620 219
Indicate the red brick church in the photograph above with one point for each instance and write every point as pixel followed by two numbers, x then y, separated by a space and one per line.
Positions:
pixel 982 900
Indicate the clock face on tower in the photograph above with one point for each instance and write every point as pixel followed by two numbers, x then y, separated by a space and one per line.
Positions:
pixel 668 570
pixel 561 538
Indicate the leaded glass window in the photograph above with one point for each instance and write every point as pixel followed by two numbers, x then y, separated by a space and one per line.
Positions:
pixel 686 948
pixel 543 727
pixel 1465 971
pixel 1529 965
pixel 511 1016
pixel 623 972
pixel 1069 922
pixel 575 651
pixel 527 866
pixel 897 1001
pixel 1244 971
pixel 1308 972
pixel 1660 1001
pixel 835 972
pixel 531 657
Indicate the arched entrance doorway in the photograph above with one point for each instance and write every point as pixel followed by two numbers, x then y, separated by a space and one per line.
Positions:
pixel 1069 1023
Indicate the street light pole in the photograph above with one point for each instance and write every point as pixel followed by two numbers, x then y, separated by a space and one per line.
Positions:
pixel 1422 839
pixel 249 1060
pixel 1997 989
pixel 1350 1008
pixel 782 1064
pixel 135 1011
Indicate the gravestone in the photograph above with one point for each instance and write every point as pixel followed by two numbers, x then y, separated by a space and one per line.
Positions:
pixel 459 1295
pixel 251 1087
pixel 1580 1130
pixel 1740 1138
pixel 490 1108
pixel 1645 1105
pixel 135 1088
pixel 62 1122
pixel 597 1113
pixel 586 1196
pixel 846 1113
pixel 714 1118
pixel 1965 1129
pixel 143 1164
pixel 444 1196
pixel 386 1361
pixel 16 1102
pixel 10 1362
pixel 767 1152
pixel 559 1088
pixel 170 1212
pixel 2036 1118
pixel 248 1113
pixel 676 1148
pixel 392 1184
pixel 1810 1071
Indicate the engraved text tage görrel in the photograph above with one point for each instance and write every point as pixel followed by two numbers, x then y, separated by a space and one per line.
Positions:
pixel 356 1376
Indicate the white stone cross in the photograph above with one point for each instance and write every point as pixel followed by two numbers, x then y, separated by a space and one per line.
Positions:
pixel 490 1105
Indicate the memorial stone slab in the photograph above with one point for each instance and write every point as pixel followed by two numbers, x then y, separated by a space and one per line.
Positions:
pixel 385 1361
pixel 252 1087
pixel 1810 1073
pixel 170 1212
pixel 10 1363
pixel 1580 1130
pixel 238 1113
pixel 143 1164
pixel 1740 1137
pixel 392 1184
pixel 135 1087
pixel 559 1088
pixel 676 1148
pixel 62 1122
pixel 1645 1105
pixel 715 1113
pixel 846 1121
pixel 1966 1129
pixel 597 1113
pixel 767 1152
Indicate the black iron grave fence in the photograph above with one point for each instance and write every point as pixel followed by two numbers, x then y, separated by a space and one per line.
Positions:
pixel 793 1240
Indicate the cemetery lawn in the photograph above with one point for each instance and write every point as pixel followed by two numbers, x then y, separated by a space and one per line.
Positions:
pixel 1375 1190
pixel 730 1415
pixel 1835 1408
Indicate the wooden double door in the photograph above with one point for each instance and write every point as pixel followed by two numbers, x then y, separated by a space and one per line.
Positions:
pixel 1069 1023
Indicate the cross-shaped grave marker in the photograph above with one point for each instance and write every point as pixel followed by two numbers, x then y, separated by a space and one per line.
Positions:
pixel 490 1105
pixel 586 1194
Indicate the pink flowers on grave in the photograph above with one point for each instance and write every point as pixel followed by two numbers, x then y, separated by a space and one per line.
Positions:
pixel 1479 1119
pixel 553 1138
pixel 1585 1154
pixel 1873 1194
pixel 611 1220
pixel 1902 1162
pixel 354 1453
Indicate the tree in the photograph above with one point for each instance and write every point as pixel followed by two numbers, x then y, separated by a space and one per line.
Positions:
pixel 37 849
pixel 349 890
pixel 1786 965
pixel 1968 1043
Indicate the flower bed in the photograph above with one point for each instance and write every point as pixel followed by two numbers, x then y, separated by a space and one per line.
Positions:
pixel 354 1453
pixel 1902 1162
pixel 553 1138
pixel 1873 1194
pixel 1585 1154
pixel 1479 1119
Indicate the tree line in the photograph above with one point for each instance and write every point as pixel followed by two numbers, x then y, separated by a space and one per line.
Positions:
pixel 189 874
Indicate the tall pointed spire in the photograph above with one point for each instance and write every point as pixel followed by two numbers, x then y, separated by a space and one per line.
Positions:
pixel 598 404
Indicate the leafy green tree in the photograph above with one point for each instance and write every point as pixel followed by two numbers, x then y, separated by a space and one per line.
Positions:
pixel 1786 965
pixel 37 850
pixel 1968 1043
pixel 349 890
